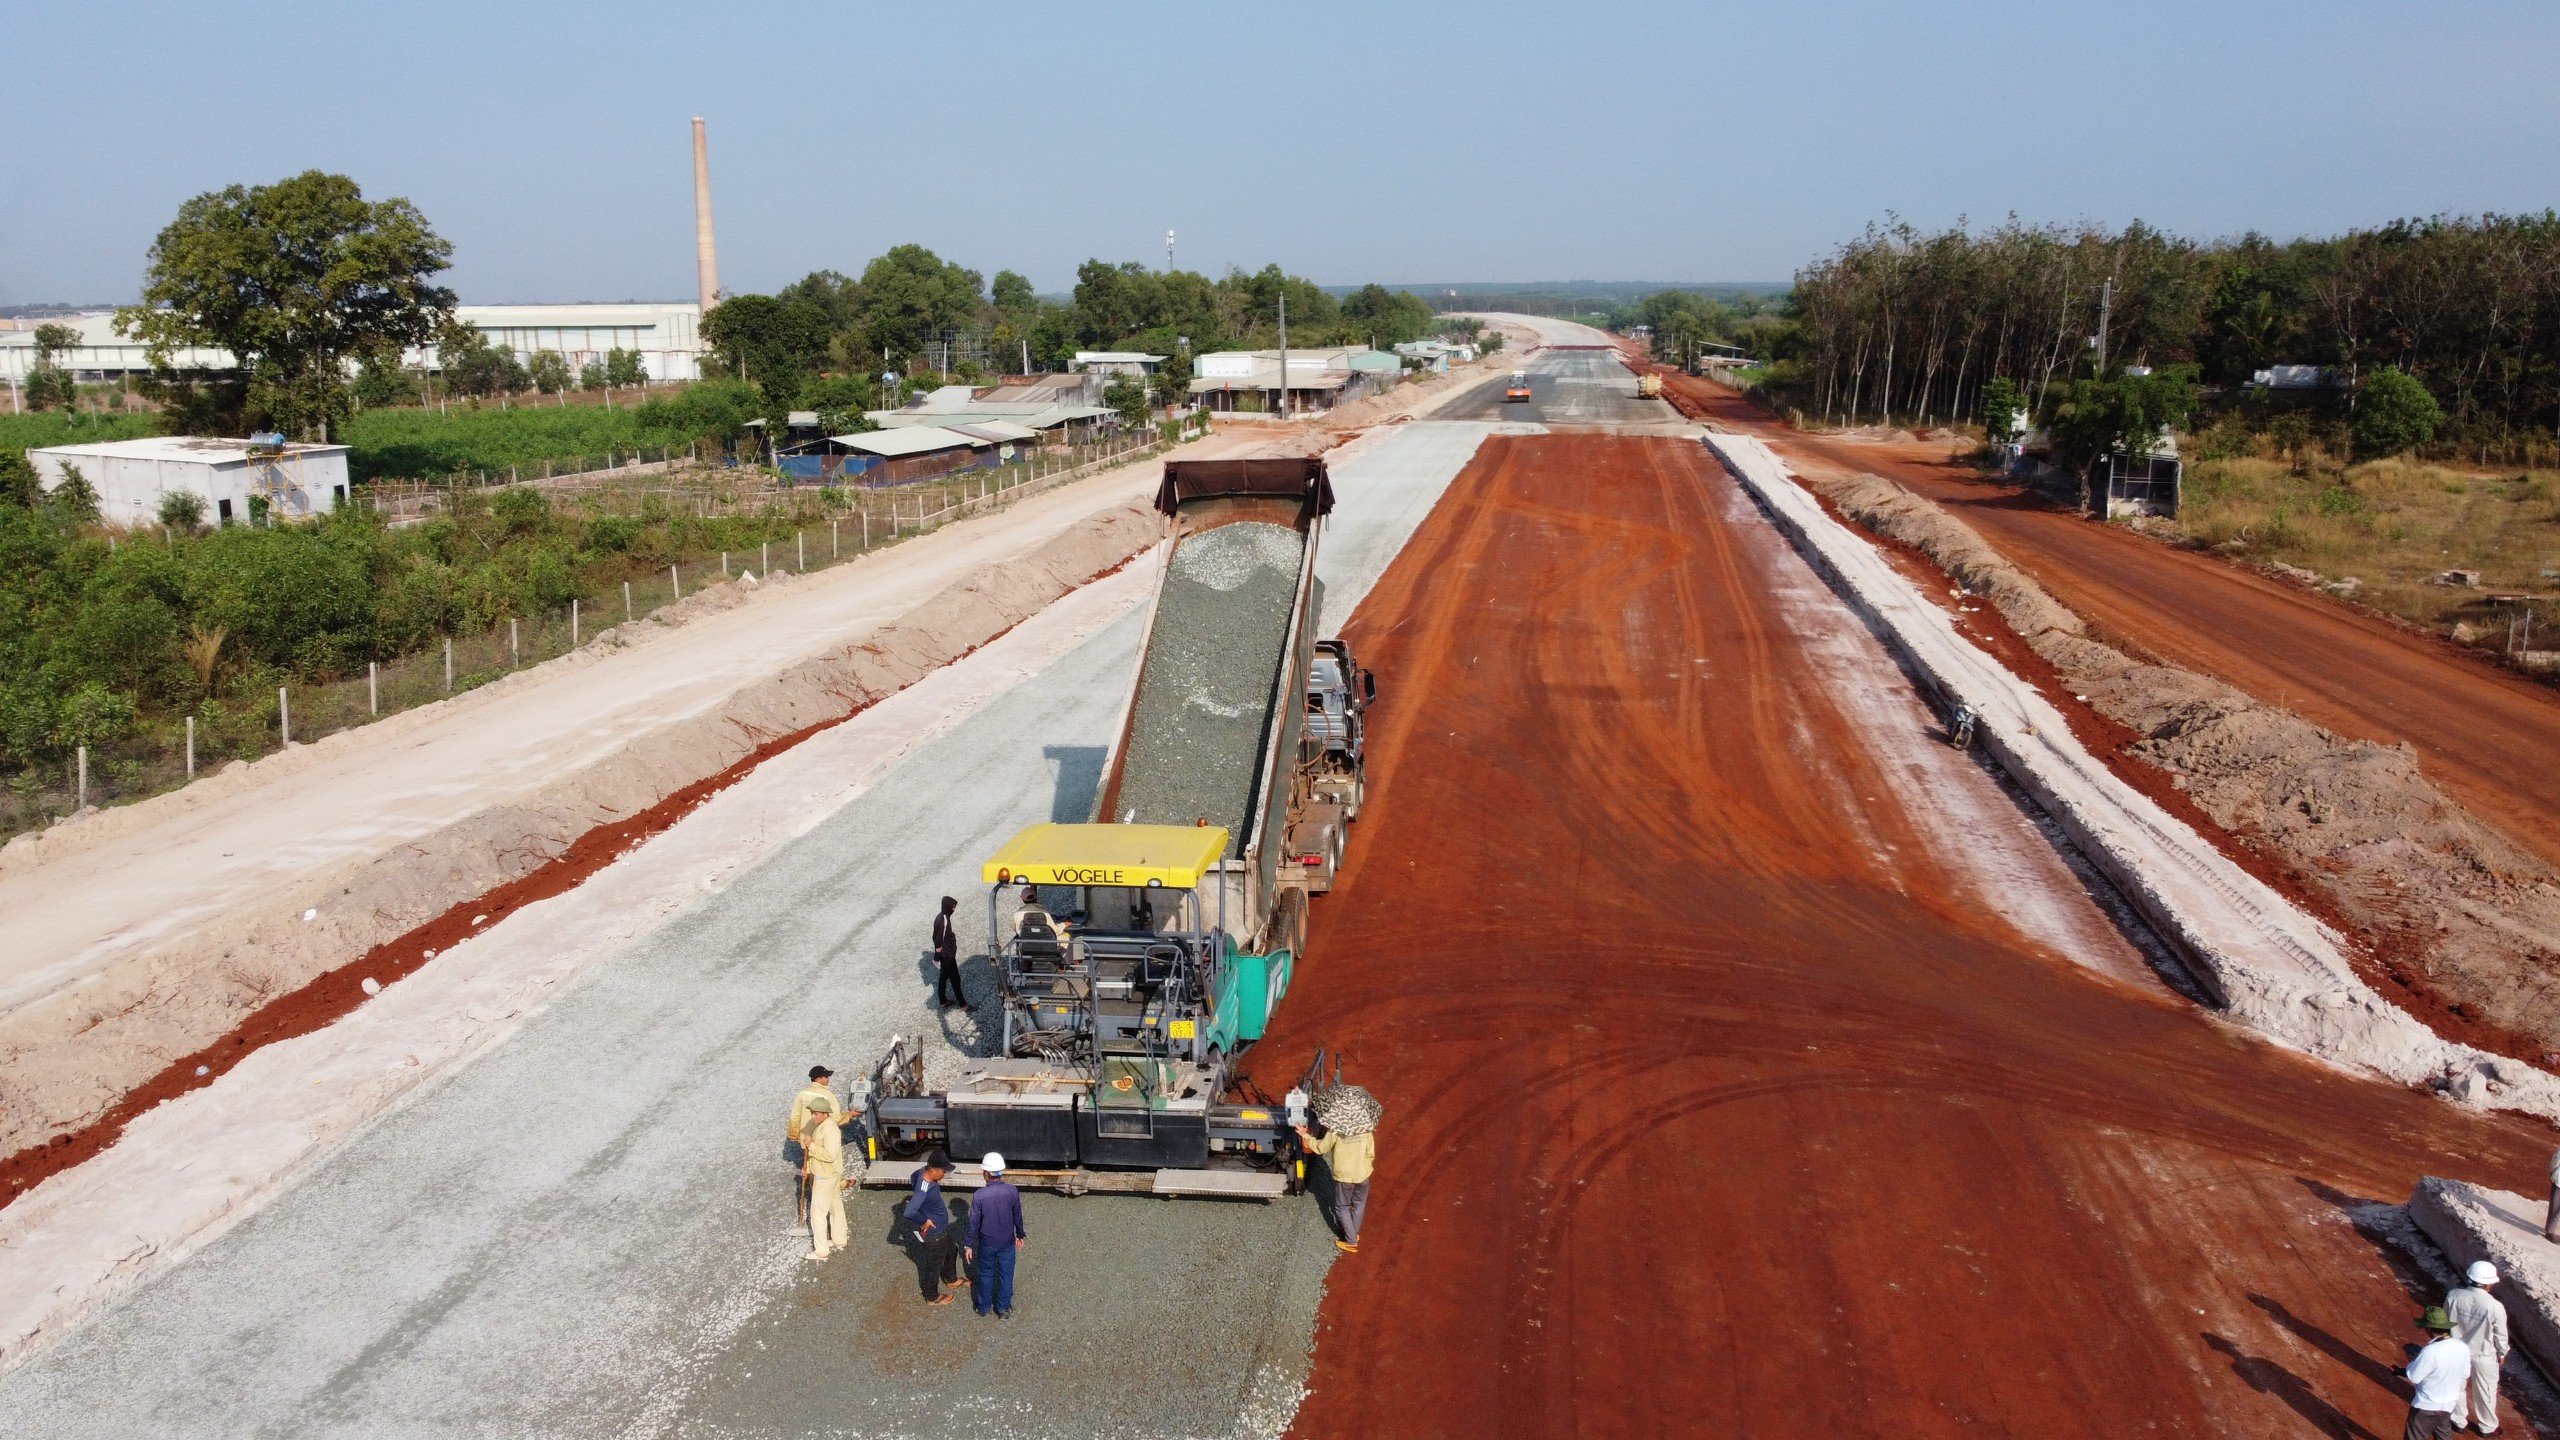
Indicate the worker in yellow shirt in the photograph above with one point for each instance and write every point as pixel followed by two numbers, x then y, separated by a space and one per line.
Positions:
pixel 824 1142
pixel 1350 1158
pixel 816 1096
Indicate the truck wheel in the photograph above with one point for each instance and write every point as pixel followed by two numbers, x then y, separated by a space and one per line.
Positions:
pixel 1359 793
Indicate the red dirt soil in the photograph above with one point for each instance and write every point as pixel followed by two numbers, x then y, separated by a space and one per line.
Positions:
pixel 1718 1103
pixel 2489 737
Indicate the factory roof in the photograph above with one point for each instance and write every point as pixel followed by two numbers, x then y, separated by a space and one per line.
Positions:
pixel 1036 417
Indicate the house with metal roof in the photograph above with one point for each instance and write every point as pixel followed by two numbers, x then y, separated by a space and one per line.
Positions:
pixel 1249 381
pixel 902 455
pixel 1131 364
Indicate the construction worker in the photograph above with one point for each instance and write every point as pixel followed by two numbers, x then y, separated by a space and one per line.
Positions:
pixel 946 957
pixel 931 1215
pixel 2438 1376
pixel 1350 1158
pixel 815 1094
pixel 995 1234
pixel 2480 1323
pixel 824 1143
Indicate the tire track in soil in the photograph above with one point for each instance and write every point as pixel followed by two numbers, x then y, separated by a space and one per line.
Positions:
pixel 1708 1114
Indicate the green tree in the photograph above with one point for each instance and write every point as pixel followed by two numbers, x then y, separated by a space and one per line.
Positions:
pixel 774 343
pixel 295 279
pixel 1012 295
pixel 73 502
pixel 2394 413
pixel 472 365
pixel 48 384
pixel 624 367
pixel 2125 414
pixel 1129 398
pixel 381 382
pixel 909 297
pixel 2004 405
pixel 591 376
pixel 549 371
pixel 1386 318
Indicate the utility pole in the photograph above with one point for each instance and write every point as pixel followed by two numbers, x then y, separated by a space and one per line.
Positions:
pixel 1168 252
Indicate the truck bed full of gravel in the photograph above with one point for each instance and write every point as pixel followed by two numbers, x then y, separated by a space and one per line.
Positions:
pixel 1212 666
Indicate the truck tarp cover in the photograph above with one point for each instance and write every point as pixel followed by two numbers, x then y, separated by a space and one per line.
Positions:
pixel 1297 477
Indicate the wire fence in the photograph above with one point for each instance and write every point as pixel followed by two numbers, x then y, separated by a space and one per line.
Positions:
pixel 813 529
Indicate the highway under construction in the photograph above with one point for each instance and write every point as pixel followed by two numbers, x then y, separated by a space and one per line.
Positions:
pixel 1752 1060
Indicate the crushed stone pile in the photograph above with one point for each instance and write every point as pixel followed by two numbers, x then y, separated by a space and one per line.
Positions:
pixel 2455 912
pixel 65 1061
pixel 1212 667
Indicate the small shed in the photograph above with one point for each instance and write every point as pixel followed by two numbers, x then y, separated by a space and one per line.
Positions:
pixel 131 477
pixel 906 454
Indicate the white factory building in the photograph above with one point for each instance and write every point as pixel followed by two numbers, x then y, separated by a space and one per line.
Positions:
pixel 668 338
pixel 131 477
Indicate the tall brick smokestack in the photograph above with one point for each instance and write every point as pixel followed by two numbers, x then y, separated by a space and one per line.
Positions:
pixel 705 259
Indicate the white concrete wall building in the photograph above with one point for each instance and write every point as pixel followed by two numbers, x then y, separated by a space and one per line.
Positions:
pixel 132 476
pixel 668 338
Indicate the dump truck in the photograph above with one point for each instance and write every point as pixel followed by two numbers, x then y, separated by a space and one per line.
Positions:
pixel 1140 953
pixel 1648 387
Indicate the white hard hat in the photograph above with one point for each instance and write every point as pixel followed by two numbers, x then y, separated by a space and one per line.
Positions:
pixel 993 1164
pixel 2482 1273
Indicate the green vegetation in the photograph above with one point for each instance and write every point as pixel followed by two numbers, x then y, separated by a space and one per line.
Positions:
pixel 2394 414
pixel 20 433
pixel 2120 413
pixel 2461 316
pixel 100 640
pixel 295 279
pixel 419 444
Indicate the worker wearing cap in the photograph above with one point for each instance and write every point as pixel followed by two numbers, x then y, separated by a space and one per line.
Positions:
pixel 1350 1158
pixel 813 1096
pixel 824 1143
pixel 946 957
pixel 2438 1376
pixel 995 1233
pixel 930 1213
pixel 2480 1323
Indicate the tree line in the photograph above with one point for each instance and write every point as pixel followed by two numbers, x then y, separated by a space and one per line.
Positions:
pixel 822 342
pixel 1910 326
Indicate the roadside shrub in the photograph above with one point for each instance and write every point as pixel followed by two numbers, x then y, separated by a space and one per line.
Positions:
pixel 182 510
pixel 2394 414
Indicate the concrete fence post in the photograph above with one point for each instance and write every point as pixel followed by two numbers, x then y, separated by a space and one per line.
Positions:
pixel 675 582
pixel 515 649
pixel 866 529
pixel 574 637
pixel 835 539
pixel 626 599
pixel 80 794
pixel 372 687
pixel 801 539
pixel 448 664
pixel 284 716
pixel 191 747
pixel 767 567
pixel 724 564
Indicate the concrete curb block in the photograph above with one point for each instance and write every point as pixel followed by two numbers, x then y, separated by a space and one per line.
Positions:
pixel 2470 1223
pixel 2269 965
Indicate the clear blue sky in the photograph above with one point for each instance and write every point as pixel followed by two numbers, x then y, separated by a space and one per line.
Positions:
pixel 1401 142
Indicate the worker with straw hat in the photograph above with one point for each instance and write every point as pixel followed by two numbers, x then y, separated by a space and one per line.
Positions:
pixel 2437 1377
pixel 1349 1149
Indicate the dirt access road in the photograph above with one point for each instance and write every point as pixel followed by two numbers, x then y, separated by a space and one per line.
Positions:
pixel 2489 737
pixel 1717 1086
